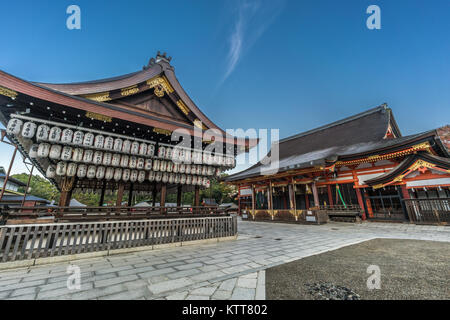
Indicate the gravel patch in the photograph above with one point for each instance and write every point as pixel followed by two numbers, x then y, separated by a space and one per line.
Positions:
pixel 409 269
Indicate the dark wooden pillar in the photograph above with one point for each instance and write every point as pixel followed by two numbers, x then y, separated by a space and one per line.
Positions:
pixel 292 203
pixel 197 196
pixel 102 194
pixel 361 203
pixel 315 194
pixel 120 193
pixel 330 195
pixel 66 191
pixel 154 194
pixel 179 195
pixel 162 202
pixel 306 201
pixel 130 195
pixel 253 200
pixel 5 182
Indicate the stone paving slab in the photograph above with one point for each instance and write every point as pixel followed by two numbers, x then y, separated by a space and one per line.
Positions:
pixel 219 270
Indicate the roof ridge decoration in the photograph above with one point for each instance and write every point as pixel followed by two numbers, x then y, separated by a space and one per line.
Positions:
pixel 159 57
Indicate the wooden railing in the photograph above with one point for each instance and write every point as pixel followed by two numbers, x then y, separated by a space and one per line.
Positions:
pixel 341 208
pixel 72 214
pixel 428 211
pixel 21 242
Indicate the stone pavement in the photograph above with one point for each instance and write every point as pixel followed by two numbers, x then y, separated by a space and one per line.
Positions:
pixel 222 270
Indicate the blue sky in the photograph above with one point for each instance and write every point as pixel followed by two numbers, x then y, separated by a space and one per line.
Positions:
pixel 292 65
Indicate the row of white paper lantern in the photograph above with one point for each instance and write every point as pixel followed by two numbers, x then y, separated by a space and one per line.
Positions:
pixel 67 153
pixel 79 138
pixel 72 169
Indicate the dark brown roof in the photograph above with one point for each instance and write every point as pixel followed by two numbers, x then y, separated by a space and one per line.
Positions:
pixel 345 139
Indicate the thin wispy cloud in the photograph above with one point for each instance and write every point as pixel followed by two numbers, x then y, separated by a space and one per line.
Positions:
pixel 252 18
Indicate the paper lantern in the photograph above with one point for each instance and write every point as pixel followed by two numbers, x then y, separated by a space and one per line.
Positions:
pixel 169 167
pixel 182 168
pixel 133 162
pixel 126 173
pixel 188 179
pixel 91 171
pixel 98 157
pixel 77 155
pixel 61 168
pixel 134 175
pixel 71 169
pixel 81 171
pixel 115 161
pixel 66 153
pixel 88 140
pixel 143 149
pixel 66 136
pixel 109 173
pixel 158 176
pixel 210 170
pixel 126 146
pixel 124 160
pixel 177 179
pixel 161 152
pixel 176 168
pixel 78 137
pixel 55 134
pixel 204 171
pixel 107 158
pixel 218 172
pixel 188 169
pixel 33 151
pixel 183 179
pixel 13 127
pixel 117 174
pixel 42 132
pixel 194 180
pixel 141 176
pixel 176 155
pixel 197 157
pixel 148 164
pixel 109 143
pixel 100 173
pixel 51 172
pixel 168 155
pixel 118 144
pixel 43 150
pixel 87 156
pixel 140 163
pixel 55 152
pixel 156 164
pixel 187 156
pixel 29 129
pixel 163 165
pixel 165 177
pixel 134 147
pixel 151 176
pixel 171 177
pixel 206 182
pixel 199 181
pixel 99 141
pixel 151 150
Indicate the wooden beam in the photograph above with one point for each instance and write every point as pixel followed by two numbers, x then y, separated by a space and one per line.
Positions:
pixel 162 201
pixel 120 193
pixel 197 196
pixel 130 195
pixel 315 194
pixel 8 173
pixel 179 195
